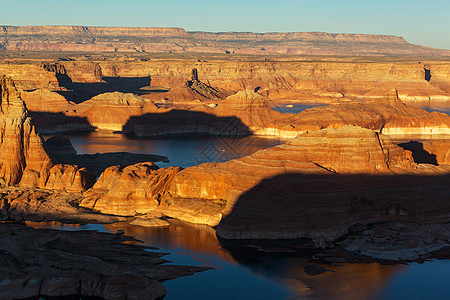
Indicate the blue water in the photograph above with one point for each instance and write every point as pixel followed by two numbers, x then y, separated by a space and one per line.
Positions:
pixel 430 280
pixel 182 152
pixel 443 107
pixel 439 106
pixel 240 275
pixel 296 107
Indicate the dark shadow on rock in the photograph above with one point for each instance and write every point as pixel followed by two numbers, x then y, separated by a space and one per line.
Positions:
pixel 61 151
pixel 420 155
pixel 323 207
pixel 78 92
pixel 183 122
pixel 49 122
pixel 427 74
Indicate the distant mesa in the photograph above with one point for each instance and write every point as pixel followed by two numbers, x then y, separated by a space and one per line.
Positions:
pixel 173 40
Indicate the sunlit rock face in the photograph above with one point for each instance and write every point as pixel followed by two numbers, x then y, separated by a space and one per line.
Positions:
pixel 111 111
pixel 281 192
pixel 136 189
pixel 252 109
pixel 157 39
pixel 45 100
pixel 315 186
pixel 345 151
pixel 441 149
pixel 23 158
pixel 388 115
pixel 21 149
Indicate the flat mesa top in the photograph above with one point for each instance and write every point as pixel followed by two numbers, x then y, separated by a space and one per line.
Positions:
pixel 178 40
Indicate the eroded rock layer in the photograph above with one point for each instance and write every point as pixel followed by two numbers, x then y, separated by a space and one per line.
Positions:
pixel 111 111
pixel 103 39
pixel 388 115
pixel 315 186
pixel 23 158
pixel 136 189
pixel 60 264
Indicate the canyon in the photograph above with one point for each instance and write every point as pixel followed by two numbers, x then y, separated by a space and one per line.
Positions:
pixel 128 39
pixel 366 165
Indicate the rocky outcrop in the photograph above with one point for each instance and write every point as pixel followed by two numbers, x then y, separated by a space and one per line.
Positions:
pixel 21 149
pixel 44 100
pixel 287 79
pixel 439 148
pixel 388 115
pixel 23 158
pixel 111 111
pixel 346 151
pixel 30 76
pixel 21 203
pixel 284 192
pixel 252 109
pixel 58 145
pixel 104 39
pixel 58 263
pixel 136 189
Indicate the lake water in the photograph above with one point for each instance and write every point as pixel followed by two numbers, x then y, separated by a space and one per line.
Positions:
pixel 241 274
pixel 182 152
pixel 439 106
pixel 296 107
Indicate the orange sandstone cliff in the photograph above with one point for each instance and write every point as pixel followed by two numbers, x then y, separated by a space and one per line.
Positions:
pixel 315 186
pixel 23 158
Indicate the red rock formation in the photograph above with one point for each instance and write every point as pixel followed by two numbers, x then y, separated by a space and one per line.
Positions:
pixel 22 154
pixel 69 178
pixel 21 149
pixel 250 108
pixel 136 189
pixel 389 116
pixel 102 39
pixel 440 148
pixel 44 100
pixel 205 193
pixel 111 111
pixel 30 76
pixel 87 72
pixel 349 150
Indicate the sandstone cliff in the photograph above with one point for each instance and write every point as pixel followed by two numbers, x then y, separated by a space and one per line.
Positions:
pixel 45 100
pixel 212 193
pixel 23 158
pixel 388 115
pixel 136 189
pixel 102 39
pixel 111 111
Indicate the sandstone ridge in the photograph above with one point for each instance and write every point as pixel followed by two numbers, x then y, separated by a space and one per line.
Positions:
pixel 24 159
pixel 103 39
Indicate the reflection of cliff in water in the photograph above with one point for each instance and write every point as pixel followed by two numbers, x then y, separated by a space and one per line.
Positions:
pixel 349 281
pixel 266 275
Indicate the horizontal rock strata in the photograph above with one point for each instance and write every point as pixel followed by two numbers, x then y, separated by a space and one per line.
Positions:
pixel 23 158
pixel 103 39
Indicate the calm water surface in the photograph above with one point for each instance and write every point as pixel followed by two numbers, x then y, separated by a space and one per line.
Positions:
pixel 244 275
pixel 182 152
pixel 296 107
pixel 439 106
